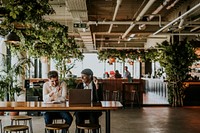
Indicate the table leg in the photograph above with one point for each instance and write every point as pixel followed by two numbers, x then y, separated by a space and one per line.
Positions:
pixel 107 121
pixel 123 96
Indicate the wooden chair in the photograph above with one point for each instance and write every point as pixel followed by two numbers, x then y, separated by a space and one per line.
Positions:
pixel 17 120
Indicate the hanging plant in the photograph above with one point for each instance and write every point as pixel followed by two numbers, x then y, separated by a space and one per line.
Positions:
pixel 37 36
pixel 122 54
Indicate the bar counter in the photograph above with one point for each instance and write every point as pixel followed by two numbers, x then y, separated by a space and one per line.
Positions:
pixel 192 93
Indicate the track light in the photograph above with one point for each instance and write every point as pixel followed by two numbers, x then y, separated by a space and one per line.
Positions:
pixel 131 37
pixel 180 26
pixel 142 27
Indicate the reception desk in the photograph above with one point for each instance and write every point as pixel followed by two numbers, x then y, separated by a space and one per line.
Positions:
pixel 118 85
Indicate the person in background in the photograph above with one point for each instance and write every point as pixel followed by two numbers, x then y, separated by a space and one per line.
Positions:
pixel 112 74
pixel 127 74
pixel 88 83
pixel 106 75
pixel 53 90
pixel 117 74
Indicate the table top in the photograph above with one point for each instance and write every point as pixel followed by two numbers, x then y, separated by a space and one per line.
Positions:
pixel 41 106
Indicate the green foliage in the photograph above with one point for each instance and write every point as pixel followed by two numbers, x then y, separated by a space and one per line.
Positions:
pixel 37 36
pixel 176 58
pixel 71 83
pixel 122 54
pixel 9 76
pixel 3 87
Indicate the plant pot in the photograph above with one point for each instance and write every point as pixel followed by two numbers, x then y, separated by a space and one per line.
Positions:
pixel 14 113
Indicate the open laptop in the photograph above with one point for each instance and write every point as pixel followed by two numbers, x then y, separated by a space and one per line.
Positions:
pixel 80 96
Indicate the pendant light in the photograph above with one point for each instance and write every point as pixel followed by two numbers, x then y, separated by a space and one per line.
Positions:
pixel 12 38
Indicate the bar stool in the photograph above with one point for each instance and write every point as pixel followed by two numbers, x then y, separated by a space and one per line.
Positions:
pixel 106 95
pixel 134 95
pixel 16 128
pixel 16 120
pixel 116 95
pixel 56 127
pixel 89 127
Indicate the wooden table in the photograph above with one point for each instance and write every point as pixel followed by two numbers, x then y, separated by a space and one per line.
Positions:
pixel 104 106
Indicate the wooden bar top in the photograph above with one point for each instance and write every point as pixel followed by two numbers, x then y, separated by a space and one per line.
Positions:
pixel 41 106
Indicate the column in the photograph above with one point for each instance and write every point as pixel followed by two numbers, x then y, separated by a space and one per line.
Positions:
pixel 45 67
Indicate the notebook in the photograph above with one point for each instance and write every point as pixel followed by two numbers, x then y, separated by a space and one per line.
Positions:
pixel 80 96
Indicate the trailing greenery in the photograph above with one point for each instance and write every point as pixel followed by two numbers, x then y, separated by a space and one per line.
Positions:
pixel 123 54
pixel 37 36
pixel 176 58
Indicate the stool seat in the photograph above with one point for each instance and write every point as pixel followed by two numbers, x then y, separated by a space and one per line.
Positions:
pixel 56 126
pixel 21 117
pixel 15 128
pixel 88 126
pixel 24 118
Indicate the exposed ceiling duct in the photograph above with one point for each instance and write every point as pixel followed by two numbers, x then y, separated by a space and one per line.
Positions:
pixel 148 5
pixel 111 22
pixel 115 13
pixel 177 19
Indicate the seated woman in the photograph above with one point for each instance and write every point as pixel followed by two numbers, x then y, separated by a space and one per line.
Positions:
pixel 88 83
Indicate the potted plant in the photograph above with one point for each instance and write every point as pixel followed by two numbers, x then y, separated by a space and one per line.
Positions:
pixel 176 58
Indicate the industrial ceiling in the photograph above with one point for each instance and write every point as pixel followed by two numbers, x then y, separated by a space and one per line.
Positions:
pixel 126 24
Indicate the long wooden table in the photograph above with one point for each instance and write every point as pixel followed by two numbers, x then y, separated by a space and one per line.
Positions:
pixel 104 106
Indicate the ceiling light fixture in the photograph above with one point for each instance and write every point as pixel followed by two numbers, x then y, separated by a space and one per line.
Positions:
pixel 131 37
pixel 142 27
pixel 180 26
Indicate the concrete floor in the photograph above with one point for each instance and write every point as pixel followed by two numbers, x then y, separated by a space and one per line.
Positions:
pixel 143 120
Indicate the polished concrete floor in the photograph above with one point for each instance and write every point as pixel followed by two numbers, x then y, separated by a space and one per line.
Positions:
pixel 140 120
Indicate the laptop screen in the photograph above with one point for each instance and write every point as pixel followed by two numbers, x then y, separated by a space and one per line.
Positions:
pixel 80 96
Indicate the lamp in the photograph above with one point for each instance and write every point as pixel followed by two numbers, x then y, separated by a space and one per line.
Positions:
pixel 142 27
pixel 12 37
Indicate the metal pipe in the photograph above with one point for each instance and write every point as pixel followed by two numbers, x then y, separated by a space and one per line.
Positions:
pixel 115 13
pixel 180 17
pixel 148 5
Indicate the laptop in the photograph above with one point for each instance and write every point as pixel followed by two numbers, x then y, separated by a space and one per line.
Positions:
pixel 80 96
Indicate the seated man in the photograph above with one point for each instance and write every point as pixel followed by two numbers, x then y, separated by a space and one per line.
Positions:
pixel 53 90
pixel 88 83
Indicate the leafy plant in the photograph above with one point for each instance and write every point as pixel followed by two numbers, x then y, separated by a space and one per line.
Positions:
pixel 3 88
pixel 37 36
pixel 11 74
pixel 176 58
pixel 122 54
pixel 71 83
